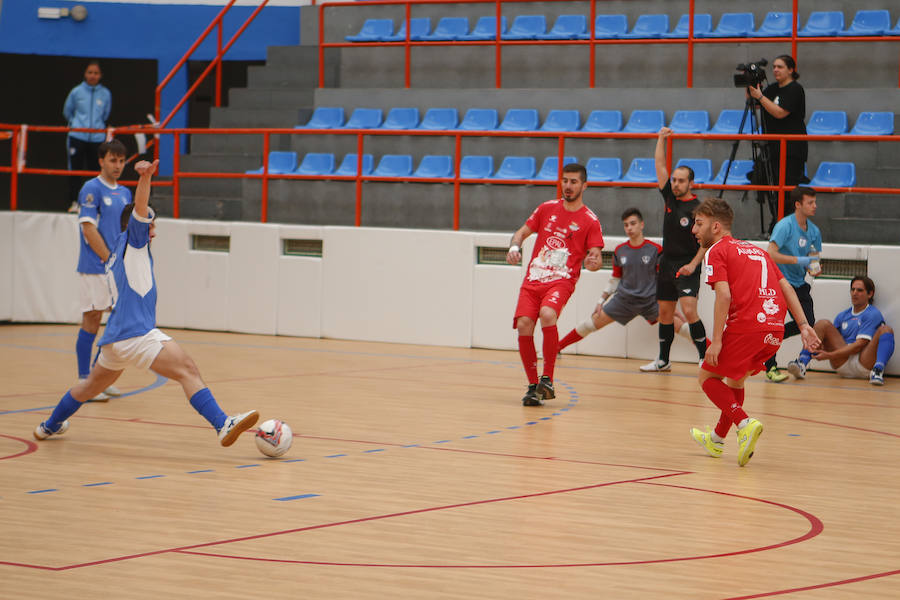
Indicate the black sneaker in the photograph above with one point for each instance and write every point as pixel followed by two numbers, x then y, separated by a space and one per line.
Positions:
pixel 532 398
pixel 545 388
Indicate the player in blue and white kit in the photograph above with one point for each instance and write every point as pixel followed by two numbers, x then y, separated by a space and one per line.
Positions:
pixel 795 246
pixel 100 203
pixel 131 336
pixel 858 344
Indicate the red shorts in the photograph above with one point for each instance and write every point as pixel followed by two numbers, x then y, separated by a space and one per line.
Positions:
pixel 745 352
pixel 534 296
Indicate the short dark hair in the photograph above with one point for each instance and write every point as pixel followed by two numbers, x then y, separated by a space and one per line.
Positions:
pixel 689 170
pixel 869 285
pixel 800 191
pixel 717 210
pixel 113 146
pixel 632 211
pixel 126 214
pixel 576 168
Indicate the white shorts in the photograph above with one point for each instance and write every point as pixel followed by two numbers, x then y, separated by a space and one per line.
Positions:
pixel 852 369
pixel 137 351
pixel 94 290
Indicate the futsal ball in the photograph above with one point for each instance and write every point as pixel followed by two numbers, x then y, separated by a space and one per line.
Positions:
pixel 273 437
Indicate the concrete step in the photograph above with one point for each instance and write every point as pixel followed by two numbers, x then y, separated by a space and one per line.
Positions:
pixel 862 205
pixel 245 117
pixel 293 57
pixel 265 98
pixel 227 143
pixel 865 230
pixel 877 176
pixel 216 163
pixel 259 76
pixel 218 208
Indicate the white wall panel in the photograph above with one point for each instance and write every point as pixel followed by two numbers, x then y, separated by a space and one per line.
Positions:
pixel 883 271
pixel 7 242
pixel 408 286
pixel 253 278
pixel 205 294
pixel 170 248
pixel 299 301
pixel 495 290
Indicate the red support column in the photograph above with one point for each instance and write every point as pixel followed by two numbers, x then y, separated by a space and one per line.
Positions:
pixel 690 45
pixel 264 207
pixel 321 49
pixel 794 13
pixel 407 48
pixel 457 159
pixel 14 174
pixel 176 165
pixel 359 166
pixel 498 55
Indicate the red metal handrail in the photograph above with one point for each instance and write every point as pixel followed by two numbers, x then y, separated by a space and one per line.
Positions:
pixel 456 180
pixel 592 42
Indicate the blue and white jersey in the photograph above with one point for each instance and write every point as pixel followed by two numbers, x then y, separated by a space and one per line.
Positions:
pixel 102 205
pixel 859 326
pixel 791 239
pixel 133 286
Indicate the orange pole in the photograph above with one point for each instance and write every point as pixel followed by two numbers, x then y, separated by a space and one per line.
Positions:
pixel 593 58
pixel 359 167
pixel 407 48
pixel 457 159
pixel 690 46
pixel 264 209
pixel 176 165
pixel 14 174
pixel 498 55
pixel 794 14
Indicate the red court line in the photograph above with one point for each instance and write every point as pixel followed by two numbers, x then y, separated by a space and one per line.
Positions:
pixel 816 527
pixel 818 586
pixel 29 446
pixel 339 523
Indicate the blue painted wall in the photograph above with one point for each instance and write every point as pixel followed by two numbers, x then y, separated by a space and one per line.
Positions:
pixel 145 31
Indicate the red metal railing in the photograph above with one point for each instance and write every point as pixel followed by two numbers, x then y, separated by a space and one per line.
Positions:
pixel 592 42
pixel 15 133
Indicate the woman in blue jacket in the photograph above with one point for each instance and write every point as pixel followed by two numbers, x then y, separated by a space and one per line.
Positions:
pixel 87 106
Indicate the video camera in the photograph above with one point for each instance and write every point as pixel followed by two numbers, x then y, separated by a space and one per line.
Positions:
pixel 751 74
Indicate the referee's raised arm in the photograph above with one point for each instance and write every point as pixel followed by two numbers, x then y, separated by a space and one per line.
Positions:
pixel 662 169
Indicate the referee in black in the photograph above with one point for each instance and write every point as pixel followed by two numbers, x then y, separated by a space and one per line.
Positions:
pixel 679 275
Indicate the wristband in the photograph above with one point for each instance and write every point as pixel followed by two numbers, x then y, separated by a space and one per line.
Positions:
pixel 514 248
pixel 803 261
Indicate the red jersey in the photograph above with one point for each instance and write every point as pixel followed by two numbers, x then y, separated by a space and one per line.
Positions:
pixel 563 240
pixel 757 303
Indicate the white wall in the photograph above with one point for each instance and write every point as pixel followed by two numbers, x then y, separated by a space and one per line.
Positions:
pixel 390 285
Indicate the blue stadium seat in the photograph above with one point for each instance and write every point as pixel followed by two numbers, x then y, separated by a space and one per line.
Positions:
pixel 394 165
pixel 690 121
pixel 641 169
pixel 280 163
pixel 895 30
pixel 350 164
pixel 480 119
pixel 516 167
pixel 401 118
pixel 550 167
pixel 834 174
pixel 603 121
pixel 729 120
pixel 567 27
pixel 737 175
pixel 418 29
pixel 364 118
pixel 702 168
pixel 874 123
pixel 373 30
pixel 776 24
pixel 868 22
pixel 476 167
pixel 609 27
pixel 485 29
pixel 604 169
pixel 449 29
pixel 648 26
pixel 526 27
pixel 324 117
pixel 823 24
pixel 702 24
pixel 316 163
pixel 440 118
pixel 561 120
pixel 732 25
pixel 435 166
pixel 645 121
pixel 520 119
pixel 827 122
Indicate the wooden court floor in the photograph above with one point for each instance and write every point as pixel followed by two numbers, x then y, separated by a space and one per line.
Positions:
pixel 416 473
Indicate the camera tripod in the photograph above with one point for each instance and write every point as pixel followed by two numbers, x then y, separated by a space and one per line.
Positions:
pixel 762 173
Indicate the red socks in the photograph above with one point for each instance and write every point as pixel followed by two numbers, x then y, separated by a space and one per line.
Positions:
pixel 571 338
pixel 551 349
pixel 729 400
pixel 529 357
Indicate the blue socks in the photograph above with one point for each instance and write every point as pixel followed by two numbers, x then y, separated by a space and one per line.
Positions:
pixel 65 409
pixel 204 403
pixel 83 348
pixel 885 350
pixel 804 357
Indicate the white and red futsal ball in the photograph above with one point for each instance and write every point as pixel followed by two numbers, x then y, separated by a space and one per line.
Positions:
pixel 274 437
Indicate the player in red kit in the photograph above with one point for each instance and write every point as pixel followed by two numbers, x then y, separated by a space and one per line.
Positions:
pixel 748 324
pixel 568 233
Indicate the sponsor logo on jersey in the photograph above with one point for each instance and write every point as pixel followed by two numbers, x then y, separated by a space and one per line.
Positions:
pixel 553 218
pixel 802 242
pixel 574 226
pixel 709 270
pixel 644 259
pixel 684 221
pixel 107 200
pixel 555 243
pixel 844 325
pixel 771 307
pixel 89 201
pixel 761 317
pixel 687 290
pixel 767 293
pixel 771 340
pixel 623 260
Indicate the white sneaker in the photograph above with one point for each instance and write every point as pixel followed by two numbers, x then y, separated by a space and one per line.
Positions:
pixel 656 366
pixel 101 397
pixel 112 391
pixel 797 369
pixel 41 432
pixel 236 425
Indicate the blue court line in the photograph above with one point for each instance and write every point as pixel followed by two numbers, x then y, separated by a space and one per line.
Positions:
pixel 160 380
pixel 469 437
pixel 300 497
pixel 375 450
pixel 97 484
pixel 410 446
pixel 200 471
pixel 150 477
pixel 335 455
pixel 246 466
pixel 42 491
pixel 441 441
pixel 492 432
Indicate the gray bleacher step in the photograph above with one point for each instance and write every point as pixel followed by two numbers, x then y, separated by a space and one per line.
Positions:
pixel 260 76
pixel 877 176
pixel 219 163
pixel 219 208
pixel 293 57
pixel 865 230
pixel 245 117
pixel 872 205
pixel 266 98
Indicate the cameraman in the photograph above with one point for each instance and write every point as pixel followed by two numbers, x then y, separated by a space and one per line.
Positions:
pixel 785 104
